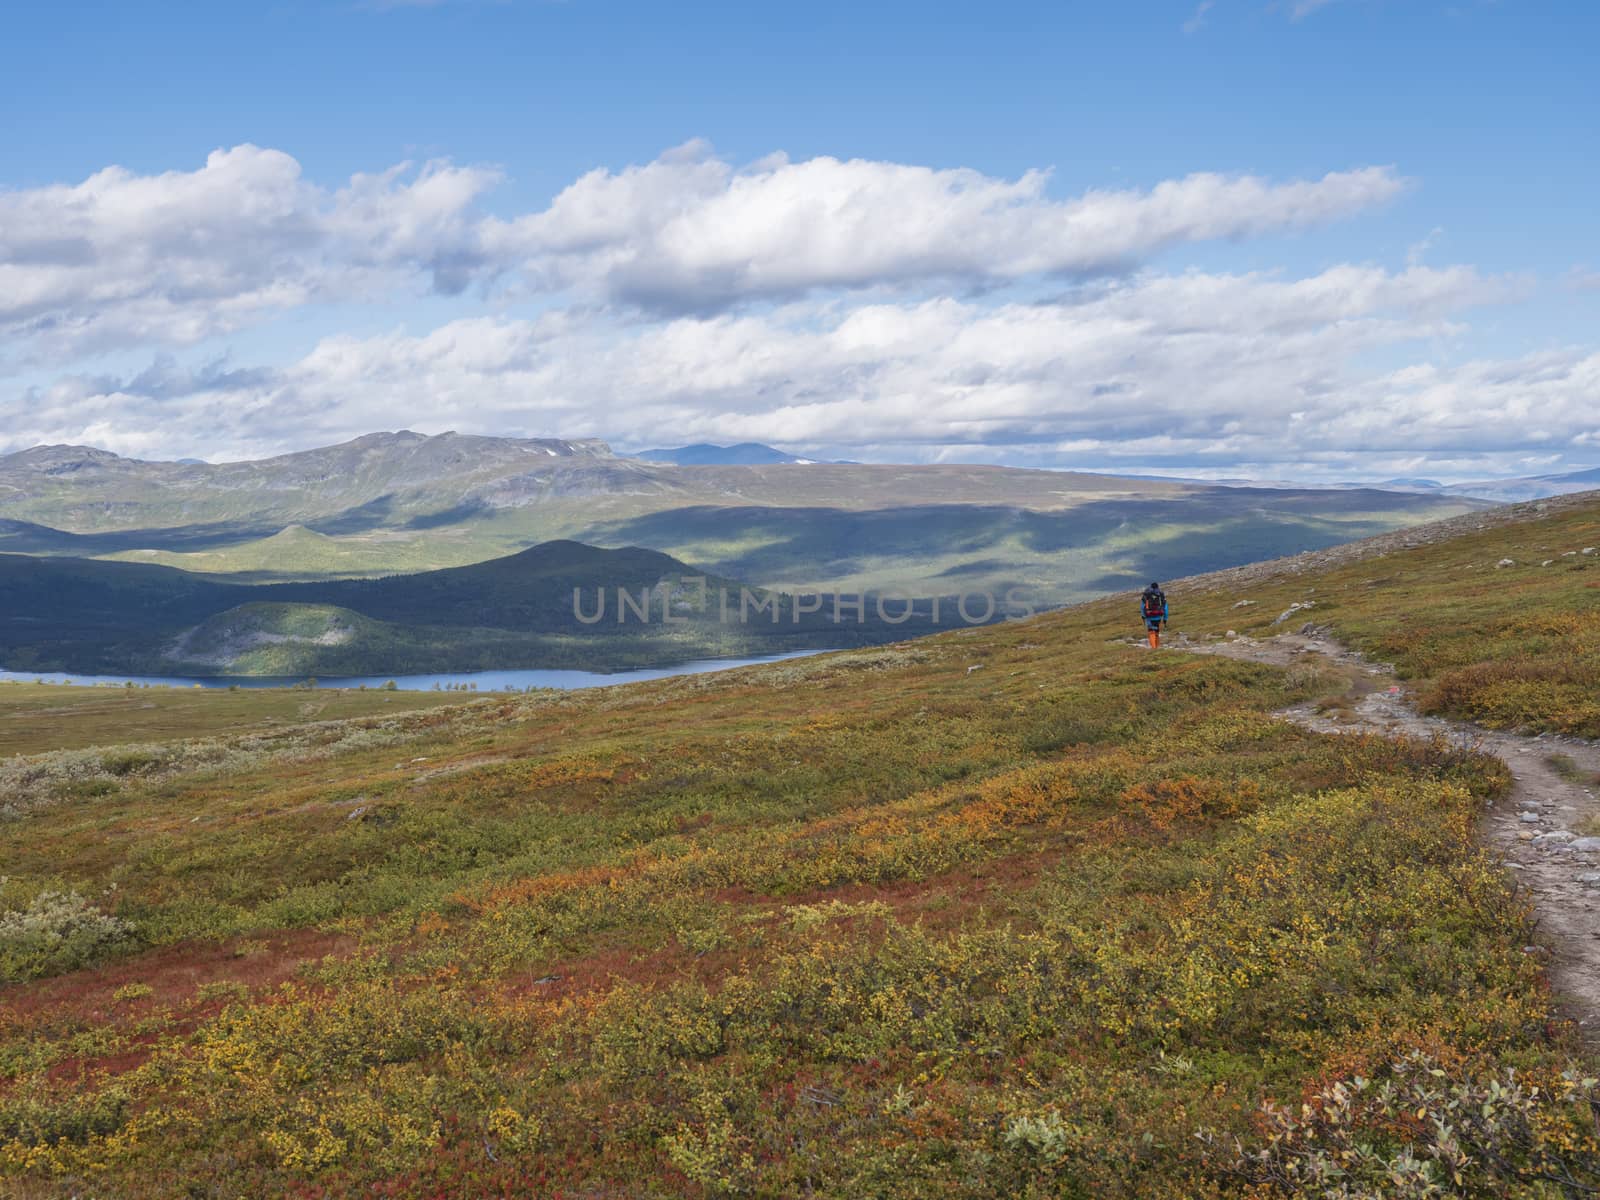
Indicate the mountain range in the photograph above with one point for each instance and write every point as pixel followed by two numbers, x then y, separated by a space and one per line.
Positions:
pixel 391 503
pixel 703 454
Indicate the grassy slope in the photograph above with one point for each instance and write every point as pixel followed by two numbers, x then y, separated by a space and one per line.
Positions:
pixel 873 924
pixel 39 717
pixel 1509 646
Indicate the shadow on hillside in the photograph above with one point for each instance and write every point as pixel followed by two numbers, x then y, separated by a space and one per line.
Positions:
pixel 1095 547
pixel 25 537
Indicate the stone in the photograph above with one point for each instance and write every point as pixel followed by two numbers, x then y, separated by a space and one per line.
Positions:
pixel 1533 818
pixel 1297 606
pixel 1586 845
pixel 1554 836
pixel 1505 562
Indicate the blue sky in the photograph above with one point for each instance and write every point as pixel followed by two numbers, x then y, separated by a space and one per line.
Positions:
pixel 1293 239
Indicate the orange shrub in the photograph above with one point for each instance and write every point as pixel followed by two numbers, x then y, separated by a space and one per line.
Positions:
pixel 1168 801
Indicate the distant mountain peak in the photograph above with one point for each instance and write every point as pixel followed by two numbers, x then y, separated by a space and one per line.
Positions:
pixel 705 454
pixel 387 438
pixel 60 459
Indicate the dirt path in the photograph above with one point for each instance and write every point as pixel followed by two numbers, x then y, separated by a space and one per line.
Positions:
pixel 1547 830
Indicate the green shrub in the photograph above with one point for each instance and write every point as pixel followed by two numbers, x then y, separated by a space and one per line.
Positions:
pixel 57 931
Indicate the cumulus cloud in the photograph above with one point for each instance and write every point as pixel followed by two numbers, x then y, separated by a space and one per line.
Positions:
pixel 870 308
pixel 691 232
pixel 1194 368
pixel 123 259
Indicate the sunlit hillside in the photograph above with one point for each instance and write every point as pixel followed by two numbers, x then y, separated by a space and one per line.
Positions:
pixel 1021 911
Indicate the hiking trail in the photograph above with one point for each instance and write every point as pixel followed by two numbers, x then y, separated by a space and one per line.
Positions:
pixel 1546 830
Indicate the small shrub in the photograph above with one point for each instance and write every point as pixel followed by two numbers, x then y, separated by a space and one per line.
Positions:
pixel 29 1119
pixel 1043 1137
pixel 57 931
pixel 128 762
pixel 1425 1132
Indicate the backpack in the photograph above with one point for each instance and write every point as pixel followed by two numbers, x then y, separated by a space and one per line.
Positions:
pixel 1155 604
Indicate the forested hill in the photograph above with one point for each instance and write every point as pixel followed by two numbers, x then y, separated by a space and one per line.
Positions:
pixel 557 604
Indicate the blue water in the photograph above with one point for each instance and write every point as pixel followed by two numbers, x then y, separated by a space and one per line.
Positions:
pixel 486 681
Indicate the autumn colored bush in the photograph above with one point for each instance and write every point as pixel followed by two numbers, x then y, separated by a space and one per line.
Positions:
pixel 1560 696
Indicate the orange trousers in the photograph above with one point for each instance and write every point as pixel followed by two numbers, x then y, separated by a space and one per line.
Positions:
pixel 1155 639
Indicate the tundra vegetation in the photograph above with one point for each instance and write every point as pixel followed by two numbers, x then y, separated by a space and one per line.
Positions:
pixel 1024 910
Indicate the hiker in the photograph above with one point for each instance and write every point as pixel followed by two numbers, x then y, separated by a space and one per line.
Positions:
pixel 1153 608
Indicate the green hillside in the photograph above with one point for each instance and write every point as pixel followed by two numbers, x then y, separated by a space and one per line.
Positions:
pixel 1017 911
pixel 390 503
pixel 559 605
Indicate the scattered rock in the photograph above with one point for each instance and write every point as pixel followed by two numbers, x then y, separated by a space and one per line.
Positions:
pixel 1232 633
pixel 1244 604
pixel 1584 845
pixel 1297 606
pixel 1505 562
pixel 1588 549
pixel 1590 878
pixel 1531 818
pixel 1554 836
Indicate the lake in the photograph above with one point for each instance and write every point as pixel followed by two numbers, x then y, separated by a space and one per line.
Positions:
pixel 485 681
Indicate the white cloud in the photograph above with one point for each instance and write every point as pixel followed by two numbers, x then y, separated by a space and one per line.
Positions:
pixel 130 260
pixel 691 232
pixel 125 259
pixel 1194 368
pixel 855 305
